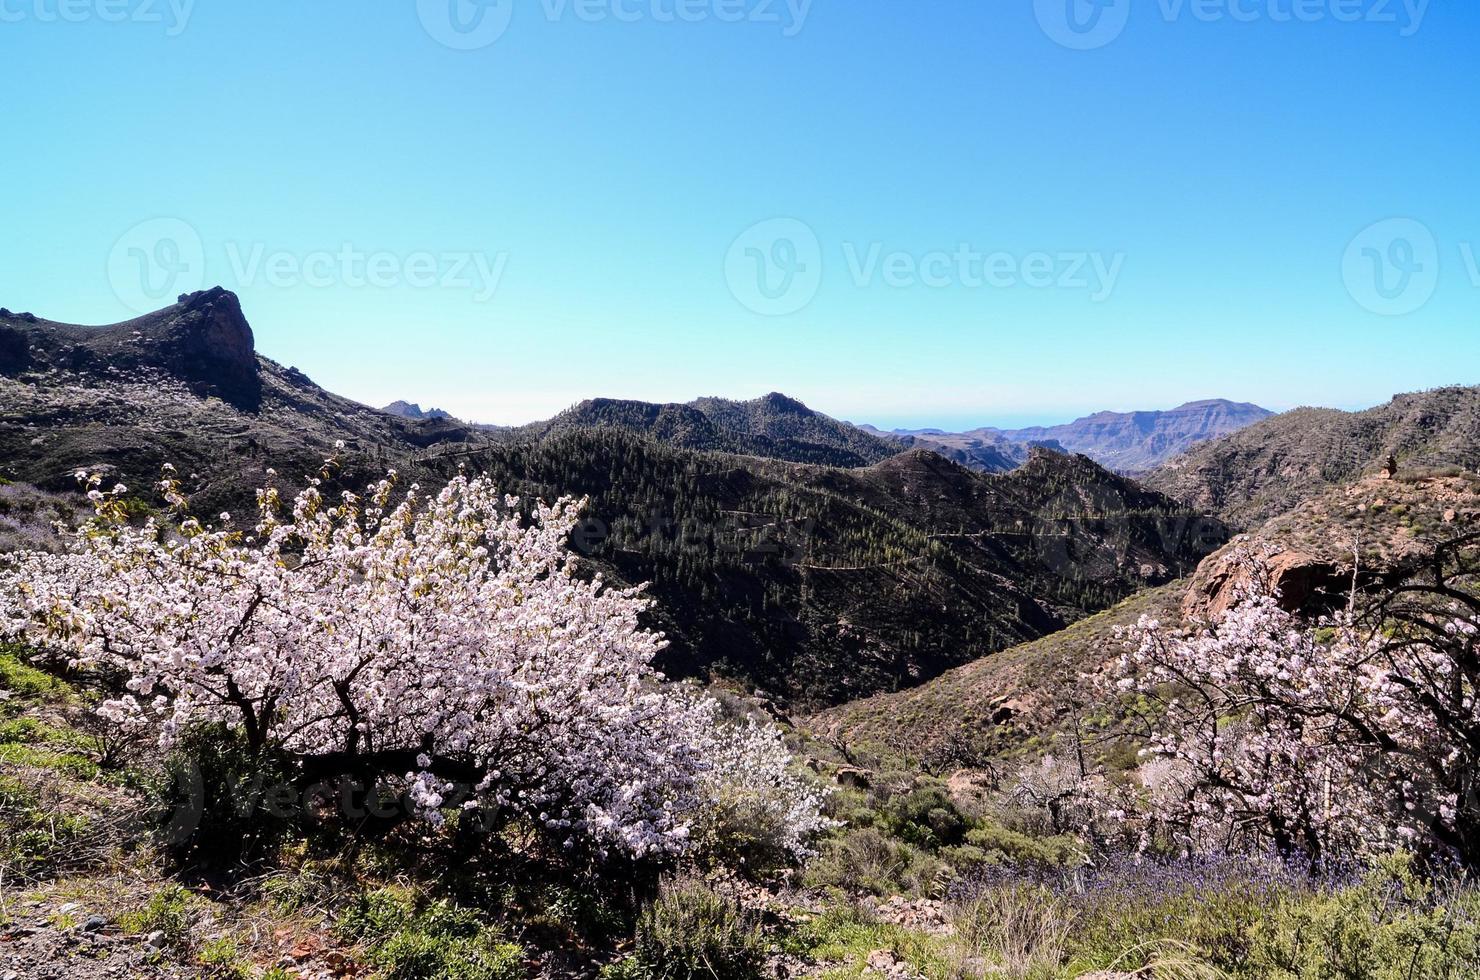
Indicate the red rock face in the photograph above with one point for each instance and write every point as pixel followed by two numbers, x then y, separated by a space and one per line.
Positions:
pixel 1374 532
pixel 1303 582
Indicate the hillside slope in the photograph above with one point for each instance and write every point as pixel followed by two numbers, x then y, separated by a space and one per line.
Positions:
pixel 1268 468
pixel 819 584
pixel 186 386
pixel 1373 532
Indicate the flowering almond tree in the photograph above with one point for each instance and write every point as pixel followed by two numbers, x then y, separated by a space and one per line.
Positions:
pixel 440 640
pixel 1360 733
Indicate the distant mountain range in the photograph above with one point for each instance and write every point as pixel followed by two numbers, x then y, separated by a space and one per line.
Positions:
pixel 1127 442
pixel 786 551
pixel 775 426
pixel 411 410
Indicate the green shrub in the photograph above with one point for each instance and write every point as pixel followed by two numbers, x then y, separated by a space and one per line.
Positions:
pixel 213 800
pixel 169 911
pixel 378 913
pixel 1024 849
pixel 690 932
pixel 439 941
pixel 220 959
pixel 742 834
pixel 591 909
pixel 926 817
pixel 426 956
pixel 1391 926
pixel 868 861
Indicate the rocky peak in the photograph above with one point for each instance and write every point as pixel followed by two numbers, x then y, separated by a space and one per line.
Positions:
pixel 210 341
pixel 414 411
pixel 204 340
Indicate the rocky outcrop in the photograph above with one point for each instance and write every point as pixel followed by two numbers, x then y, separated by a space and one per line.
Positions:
pixel 210 343
pixel 203 340
pixel 1374 532
pixel 413 411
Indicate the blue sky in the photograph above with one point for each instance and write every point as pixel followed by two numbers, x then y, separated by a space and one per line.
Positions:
pixel 908 213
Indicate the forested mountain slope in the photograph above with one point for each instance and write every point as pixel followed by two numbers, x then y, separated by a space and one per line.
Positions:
pixel 1268 468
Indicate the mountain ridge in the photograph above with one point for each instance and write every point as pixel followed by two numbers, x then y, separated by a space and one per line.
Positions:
pixel 1266 469
pixel 810 578
pixel 1128 442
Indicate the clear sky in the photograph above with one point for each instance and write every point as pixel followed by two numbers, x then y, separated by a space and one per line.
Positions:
pixel 912 212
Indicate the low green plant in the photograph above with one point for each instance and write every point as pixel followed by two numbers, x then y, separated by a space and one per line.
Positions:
pixel 1393 925
pixel 411 940
pixel 425 956
pixel 170 910
pixel 73 765
pixel 28 682
pixel 221 959
pixel 843 937
pixel 868 861
pixel 691 932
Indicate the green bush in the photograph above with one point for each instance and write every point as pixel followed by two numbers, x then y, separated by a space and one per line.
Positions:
pixel 1391 926
pixel 169 910
pixel 1023 849
pixel 378 913
pixel 438 941
pixel 926 817
pixel 213 800
pixel 742 834
pixel 868 861
pixel 690 932
pixel 427 956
